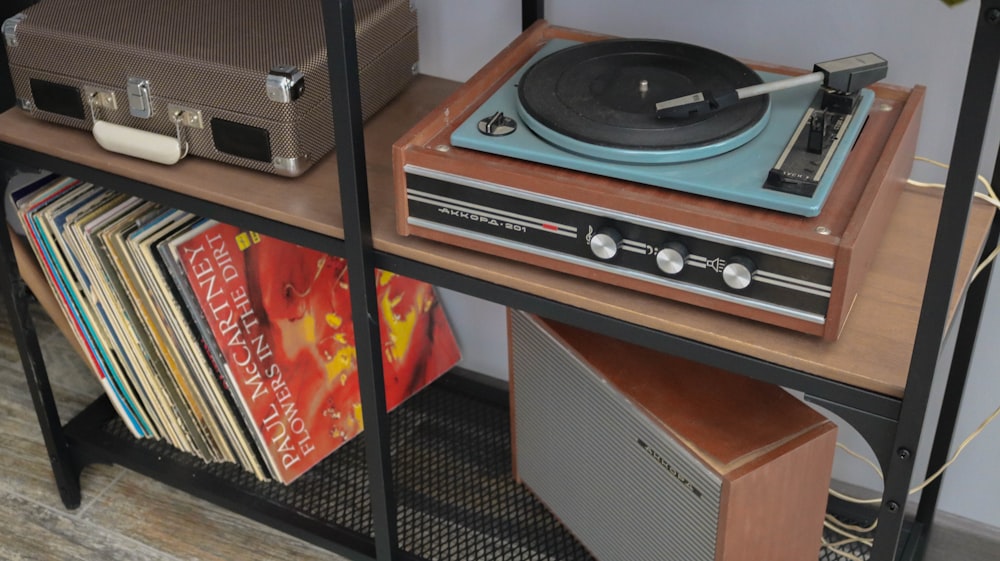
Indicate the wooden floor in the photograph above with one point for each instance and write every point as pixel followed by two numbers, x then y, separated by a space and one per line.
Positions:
pixel 125 516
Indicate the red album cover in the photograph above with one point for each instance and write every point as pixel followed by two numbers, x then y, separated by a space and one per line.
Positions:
pixel 280 317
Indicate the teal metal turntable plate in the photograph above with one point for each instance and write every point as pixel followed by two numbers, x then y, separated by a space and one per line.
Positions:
pixel 734 169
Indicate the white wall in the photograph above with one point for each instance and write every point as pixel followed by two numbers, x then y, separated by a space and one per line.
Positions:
pixel 924 41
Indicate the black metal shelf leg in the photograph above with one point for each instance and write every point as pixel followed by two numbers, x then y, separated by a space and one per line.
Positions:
pixel 958 374
pixel 16 298
pixel 960 183
pixel 346 98
pixel 972 312
pixel 531 11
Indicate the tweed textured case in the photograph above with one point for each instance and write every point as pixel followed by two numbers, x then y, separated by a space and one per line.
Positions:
pixel 244 83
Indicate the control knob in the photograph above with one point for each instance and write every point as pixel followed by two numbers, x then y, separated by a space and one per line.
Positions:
pixel 671 258
pixel 605 243
pixel 738 272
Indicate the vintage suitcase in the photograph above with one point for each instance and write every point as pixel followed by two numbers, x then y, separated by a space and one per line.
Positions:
pixel 244 83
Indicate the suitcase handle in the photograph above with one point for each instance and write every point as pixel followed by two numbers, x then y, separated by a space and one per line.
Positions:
pixel 151 146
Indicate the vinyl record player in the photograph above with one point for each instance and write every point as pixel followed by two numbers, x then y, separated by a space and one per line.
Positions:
pixel 563 153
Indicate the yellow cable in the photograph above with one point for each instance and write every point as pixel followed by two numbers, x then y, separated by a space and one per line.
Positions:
pixel 854 500
pixel 989 259
pixel 983 180
pixel 990 197
pixel 958 451
pixel 844 529
pixel 872 464
pixel 851 527
pixel 837 551
pixel 954 457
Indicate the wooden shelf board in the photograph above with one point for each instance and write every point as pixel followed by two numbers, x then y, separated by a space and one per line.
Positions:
pixel 873 352
pixel 310 201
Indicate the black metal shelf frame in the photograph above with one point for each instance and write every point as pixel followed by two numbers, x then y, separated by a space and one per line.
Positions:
pixel 891 426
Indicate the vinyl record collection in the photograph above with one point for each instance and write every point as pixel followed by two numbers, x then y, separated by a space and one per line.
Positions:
pixel 229 345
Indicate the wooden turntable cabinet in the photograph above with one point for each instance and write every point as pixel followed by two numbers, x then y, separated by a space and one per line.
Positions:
pixel 798 272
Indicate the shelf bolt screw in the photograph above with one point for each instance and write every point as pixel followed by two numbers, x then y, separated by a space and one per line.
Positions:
pixel 993 15
pixel 893 506
pixel 904 454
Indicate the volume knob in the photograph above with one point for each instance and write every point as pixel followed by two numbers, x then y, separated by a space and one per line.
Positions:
pixel 738 272
pixel 605 243
pixel 671 258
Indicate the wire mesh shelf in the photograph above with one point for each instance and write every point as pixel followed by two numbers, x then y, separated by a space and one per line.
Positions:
pixel 457 499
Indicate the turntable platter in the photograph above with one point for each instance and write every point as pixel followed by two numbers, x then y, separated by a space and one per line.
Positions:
pixel 599 98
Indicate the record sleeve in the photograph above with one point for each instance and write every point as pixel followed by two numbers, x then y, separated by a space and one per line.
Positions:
pixel 113 304
pixel 280 316
pixel 192 322
pixel 193 409
pixel 186 434
pixel 220 421
pixel 49 223
pixel 164 391
pixel 53 267
pixel 89 285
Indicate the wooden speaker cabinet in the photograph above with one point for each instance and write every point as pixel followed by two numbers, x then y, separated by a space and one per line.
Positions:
pixel 645 456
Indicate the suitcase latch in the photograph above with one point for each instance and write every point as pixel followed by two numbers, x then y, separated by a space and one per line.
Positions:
pixel 101 99
pixel 185 116
pixel 138 98
pixel 285 84
pixel 9 29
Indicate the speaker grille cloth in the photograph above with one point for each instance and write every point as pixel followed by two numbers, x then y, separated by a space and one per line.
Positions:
pixel 577 449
